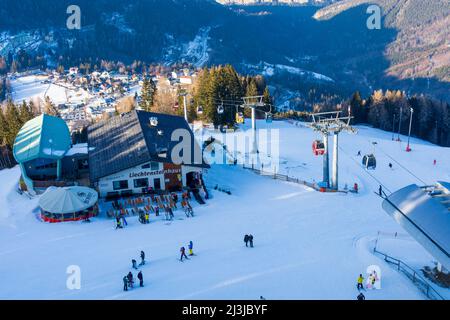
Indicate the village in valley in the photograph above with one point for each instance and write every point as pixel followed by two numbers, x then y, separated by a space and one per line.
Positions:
pixel 82 98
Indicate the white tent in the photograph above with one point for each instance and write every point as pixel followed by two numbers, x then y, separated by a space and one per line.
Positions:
pixel 68 199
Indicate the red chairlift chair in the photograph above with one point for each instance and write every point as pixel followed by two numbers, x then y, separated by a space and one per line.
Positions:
pixel 318 148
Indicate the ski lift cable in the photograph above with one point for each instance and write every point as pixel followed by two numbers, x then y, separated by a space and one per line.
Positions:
pixel 366 171
pixel 402 166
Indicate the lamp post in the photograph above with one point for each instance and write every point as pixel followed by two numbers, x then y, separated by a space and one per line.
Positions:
pixel 393 127
pixel 408 149
pixel 400 124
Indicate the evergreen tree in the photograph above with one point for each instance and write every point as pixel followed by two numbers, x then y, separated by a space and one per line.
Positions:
pixel 3 128
pixel 50 108
pixel 252 89
pixel 12 117
pixel 357 109
pixel 267 99
pixel 25 112
pixel 148 94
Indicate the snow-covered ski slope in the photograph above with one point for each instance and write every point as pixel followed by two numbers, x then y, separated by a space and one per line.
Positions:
pixel 34 87
pixel 308 245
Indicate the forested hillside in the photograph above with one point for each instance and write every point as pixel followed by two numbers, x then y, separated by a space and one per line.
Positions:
pixel 305 60
pixel 421 48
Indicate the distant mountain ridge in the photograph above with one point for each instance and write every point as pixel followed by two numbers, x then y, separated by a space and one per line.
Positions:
pixel 296 51
pixel 422 45
pixel 274 2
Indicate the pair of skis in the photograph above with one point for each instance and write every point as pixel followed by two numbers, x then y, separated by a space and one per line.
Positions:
pixel 189 212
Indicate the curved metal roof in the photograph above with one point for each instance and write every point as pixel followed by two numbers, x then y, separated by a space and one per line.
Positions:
pixel 42 137
pixel 425 214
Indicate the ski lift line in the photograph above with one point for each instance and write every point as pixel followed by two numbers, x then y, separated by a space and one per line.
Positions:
pixel 402 166
pixel 234 101
pixel 241 106
pixel 366 171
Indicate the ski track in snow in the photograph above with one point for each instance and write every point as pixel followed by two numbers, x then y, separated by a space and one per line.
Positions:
pixel 308 245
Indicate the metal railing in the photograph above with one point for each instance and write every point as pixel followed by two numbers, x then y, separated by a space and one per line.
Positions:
pixel 282 177
pixel 412 274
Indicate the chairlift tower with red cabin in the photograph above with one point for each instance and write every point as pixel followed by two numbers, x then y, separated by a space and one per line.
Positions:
pixel 328 123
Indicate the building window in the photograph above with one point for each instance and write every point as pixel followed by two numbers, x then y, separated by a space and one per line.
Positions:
pixel 152 166
pixel 120 185
pixel 141 183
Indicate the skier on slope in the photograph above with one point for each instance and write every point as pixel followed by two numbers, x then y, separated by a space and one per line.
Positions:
pixel 183 253
pixel 246 240
pixel 250 239
pixel 147 218
pixel 360 282
pixel 130 279
pixel 125 223
pixel 118 223
pixel 380 191
pixel 191 247
pixel 170 211
pixel 361 296
pixel 141 218
pixel 125 283
pixel 133 262
pixel 141 279
pixel 142 258
pixel 390 165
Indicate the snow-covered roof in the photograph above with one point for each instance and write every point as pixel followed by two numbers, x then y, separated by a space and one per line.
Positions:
pixel 68 199
pixel 128 140
pixel 80 148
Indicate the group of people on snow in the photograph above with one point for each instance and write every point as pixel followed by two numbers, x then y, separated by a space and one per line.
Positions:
pixel 371 283
pixel 128 280
pixel 248 239
pixel 144 217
